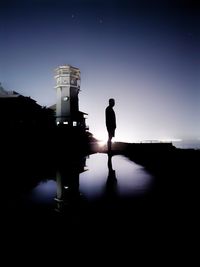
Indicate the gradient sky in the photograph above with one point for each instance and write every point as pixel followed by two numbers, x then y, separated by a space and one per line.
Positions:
pixel 145 54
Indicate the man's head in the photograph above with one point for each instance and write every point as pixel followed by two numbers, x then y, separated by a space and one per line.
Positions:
pixel 111 102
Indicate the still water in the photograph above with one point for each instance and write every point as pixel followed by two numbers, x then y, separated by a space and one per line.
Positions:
pixel 126 177
pixel 94 178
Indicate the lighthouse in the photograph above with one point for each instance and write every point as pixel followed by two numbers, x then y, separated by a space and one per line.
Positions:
pixel 67 90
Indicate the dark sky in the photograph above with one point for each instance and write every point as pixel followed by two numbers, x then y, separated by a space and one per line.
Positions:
pixel 145 54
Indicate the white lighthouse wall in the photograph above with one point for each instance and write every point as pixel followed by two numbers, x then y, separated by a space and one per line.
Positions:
pixel 65 104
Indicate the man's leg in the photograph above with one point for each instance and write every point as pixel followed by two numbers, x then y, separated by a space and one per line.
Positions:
pixel 109 142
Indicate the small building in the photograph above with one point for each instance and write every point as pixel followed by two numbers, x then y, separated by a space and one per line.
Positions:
pixel 17 111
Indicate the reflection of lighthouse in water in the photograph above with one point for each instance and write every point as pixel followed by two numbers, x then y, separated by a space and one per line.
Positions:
pixel 67 179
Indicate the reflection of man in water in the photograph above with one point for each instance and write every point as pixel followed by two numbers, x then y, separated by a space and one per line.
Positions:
pixel 110 121
pixel 111 184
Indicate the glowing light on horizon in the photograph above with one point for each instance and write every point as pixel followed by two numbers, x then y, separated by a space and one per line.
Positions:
pixel 103 138
pixel 169 140
pixel 102 143
pixel 125 137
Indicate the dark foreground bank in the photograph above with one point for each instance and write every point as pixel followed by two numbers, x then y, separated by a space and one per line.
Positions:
pixel 167 211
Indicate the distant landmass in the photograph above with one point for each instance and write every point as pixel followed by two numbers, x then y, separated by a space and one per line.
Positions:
pixel 187 144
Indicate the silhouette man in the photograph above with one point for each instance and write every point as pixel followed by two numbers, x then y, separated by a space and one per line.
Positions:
pixel 110 122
